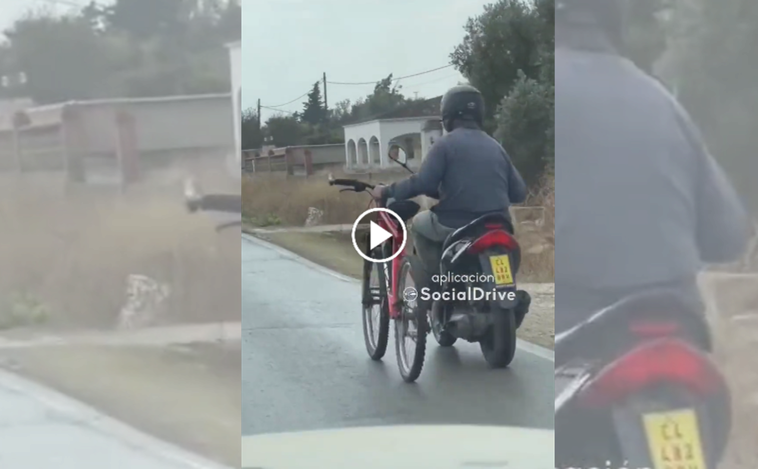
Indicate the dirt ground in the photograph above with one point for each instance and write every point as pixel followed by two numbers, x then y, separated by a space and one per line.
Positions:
pixel 335 251
pixel 64 259
pixel 189 396
pixel 69 252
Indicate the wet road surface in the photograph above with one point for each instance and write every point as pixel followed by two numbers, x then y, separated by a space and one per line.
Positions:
pixel 305 366
pixel 40 429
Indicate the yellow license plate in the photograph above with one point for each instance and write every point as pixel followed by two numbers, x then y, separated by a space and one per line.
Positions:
pixel 674 440
pixel 501 269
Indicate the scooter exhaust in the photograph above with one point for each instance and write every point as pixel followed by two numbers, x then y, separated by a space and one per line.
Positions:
pixel 460 326
pixel 468 326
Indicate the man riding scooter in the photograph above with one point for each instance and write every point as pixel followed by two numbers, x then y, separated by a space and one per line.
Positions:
pixel 467 170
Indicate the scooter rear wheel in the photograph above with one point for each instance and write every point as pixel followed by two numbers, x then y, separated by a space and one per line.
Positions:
pixel 499 345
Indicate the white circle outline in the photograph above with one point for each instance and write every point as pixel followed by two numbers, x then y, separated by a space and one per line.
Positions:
pixel 402 227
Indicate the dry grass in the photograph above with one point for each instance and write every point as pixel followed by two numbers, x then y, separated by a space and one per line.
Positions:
pixel 733 302
pixel 274 199
pixel 72 250
pixel 541 265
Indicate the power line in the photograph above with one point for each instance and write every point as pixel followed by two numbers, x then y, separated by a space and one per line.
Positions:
pixel 416 85
pixel 273 107
pixel 290 102
pixel 394 79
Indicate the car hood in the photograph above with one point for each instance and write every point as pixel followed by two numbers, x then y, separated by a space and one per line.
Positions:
pixel 399 447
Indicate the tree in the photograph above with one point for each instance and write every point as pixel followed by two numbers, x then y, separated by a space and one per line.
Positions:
pixel 387 96
pixel 63 58
pixel 714 73
pixel 286 131
pixel 340 112
pixel 645 35
pixel 251 133
pixel 498 43
pixel 525 126
pixel 526 116
pixel 102 51
pixel 146 18
pixel 313 109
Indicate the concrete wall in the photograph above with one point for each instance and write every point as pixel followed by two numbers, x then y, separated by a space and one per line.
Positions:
pixel 166 123
pixel 165 130
pixel 320 154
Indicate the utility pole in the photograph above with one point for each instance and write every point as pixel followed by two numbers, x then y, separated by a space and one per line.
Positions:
pixel 326 104
pixel 259 113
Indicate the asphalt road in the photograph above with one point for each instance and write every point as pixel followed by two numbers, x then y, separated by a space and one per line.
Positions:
pixel 305 367
pixel 40 428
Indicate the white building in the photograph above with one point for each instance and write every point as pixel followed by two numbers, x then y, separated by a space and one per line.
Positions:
pixel 235 49
pixel 415 127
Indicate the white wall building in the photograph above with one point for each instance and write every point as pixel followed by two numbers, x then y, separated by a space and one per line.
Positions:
pixel 235 61
pixel 415 128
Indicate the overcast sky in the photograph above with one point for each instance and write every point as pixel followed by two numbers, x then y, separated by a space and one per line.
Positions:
pixel 288 44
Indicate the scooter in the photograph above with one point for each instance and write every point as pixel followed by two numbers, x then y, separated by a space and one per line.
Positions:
pixel 635 386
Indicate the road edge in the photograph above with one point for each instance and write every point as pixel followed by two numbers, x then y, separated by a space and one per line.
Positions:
pixel 525 346
pixel 130 436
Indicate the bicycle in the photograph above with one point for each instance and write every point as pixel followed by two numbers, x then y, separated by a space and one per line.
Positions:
pixel 383 284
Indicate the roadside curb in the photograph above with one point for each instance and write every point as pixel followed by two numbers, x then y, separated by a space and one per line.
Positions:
pixel 88 416
pixel 528 347
pixel 184 334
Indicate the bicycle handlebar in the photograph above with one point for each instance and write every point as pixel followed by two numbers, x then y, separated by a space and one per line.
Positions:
pixel 354 184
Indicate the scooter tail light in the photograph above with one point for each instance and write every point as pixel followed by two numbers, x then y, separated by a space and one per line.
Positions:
pixel 494 238
pixel 660 361
pixel 654 329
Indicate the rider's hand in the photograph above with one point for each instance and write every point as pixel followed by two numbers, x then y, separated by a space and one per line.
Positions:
pixel 192 196
pixel 378 192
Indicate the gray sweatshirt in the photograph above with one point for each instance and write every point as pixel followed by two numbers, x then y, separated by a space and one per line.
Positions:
pixel 639 200
pixel 471 175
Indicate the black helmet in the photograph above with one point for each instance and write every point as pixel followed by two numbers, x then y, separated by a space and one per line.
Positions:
pixel 462 102
pixel 605 14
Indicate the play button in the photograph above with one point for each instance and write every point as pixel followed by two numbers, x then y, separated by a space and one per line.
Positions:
pixel 377 244
pixel 377 235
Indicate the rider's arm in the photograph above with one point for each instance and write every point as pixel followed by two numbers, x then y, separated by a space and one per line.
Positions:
pixel 427 180
pixel 723 226
pixel 516 184
pixel 222 203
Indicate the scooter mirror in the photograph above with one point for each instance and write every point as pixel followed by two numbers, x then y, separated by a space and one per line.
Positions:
pixel 397 153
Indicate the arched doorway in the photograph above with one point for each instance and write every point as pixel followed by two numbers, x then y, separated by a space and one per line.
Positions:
pixel 375 152
pixel 363 152
pixel 352 154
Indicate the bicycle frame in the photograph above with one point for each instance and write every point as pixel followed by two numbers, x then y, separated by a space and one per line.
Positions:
pixel 388 222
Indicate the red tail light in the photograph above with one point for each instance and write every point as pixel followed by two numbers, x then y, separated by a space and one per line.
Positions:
pixel 664 360
pixel 494 238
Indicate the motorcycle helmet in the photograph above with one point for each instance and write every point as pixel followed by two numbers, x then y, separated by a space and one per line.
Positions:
pixel 462 102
